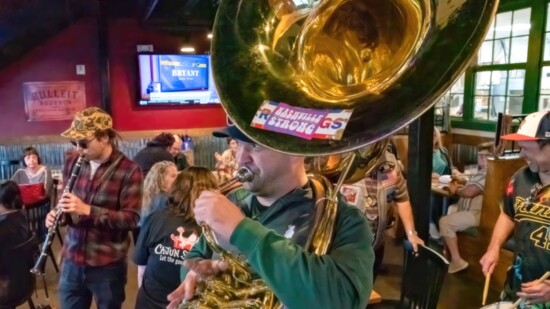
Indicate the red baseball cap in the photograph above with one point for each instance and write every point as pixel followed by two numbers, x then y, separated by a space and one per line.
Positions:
pixel 535 126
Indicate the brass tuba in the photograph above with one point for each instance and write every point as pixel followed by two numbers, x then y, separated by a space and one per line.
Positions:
pixel 388 60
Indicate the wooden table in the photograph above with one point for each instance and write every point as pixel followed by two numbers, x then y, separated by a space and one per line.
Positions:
pixel 442 190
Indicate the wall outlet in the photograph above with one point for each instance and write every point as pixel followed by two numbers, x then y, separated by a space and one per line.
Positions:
pixel 80 69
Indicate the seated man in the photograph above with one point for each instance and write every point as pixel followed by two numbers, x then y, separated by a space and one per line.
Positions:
pixel 468 210
pixel 381 189
pixel 15 278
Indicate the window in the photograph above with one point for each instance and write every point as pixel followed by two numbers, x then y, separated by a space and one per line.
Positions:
pixel 507 39
pixel 511 73
pixel 450 104
pixel 501 90
pixel 547 35
pixel 544 93
pixel 498 92
pixel 453 99
pixel 544 102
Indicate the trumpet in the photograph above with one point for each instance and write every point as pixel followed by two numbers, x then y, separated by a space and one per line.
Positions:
pixel 40 265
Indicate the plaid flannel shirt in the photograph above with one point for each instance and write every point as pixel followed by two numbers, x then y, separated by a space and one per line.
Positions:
pixel 102 237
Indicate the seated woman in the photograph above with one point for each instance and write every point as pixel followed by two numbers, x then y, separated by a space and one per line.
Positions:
pixel 156 185
pixel 13 232
pixel 468 210
pixel 226 164
pixel 34 172
pixel 441 161
pixel 166 237
pixel 441 165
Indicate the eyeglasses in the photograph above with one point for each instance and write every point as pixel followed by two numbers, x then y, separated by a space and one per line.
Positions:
pixel 82 143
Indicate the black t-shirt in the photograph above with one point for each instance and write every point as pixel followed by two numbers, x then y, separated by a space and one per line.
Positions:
pixel 163 243
pixel 14 271
pixel 530 210
pixel 148 156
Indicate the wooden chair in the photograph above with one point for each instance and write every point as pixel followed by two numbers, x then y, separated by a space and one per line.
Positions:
pixel 20 266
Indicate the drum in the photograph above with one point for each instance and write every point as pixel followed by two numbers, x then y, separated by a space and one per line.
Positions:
pixel 499 305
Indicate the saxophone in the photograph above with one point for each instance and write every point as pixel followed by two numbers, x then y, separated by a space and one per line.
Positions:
pixel 39 266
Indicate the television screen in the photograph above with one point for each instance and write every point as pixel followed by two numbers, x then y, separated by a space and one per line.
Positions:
pixel 176 80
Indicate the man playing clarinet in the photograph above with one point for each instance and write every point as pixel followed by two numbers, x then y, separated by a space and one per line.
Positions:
pixel 100 209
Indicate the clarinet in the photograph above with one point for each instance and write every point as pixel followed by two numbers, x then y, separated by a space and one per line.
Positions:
pixel 39 266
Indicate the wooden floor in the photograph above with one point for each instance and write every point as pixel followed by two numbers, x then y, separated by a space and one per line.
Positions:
pixel 52 278
pixel 458 292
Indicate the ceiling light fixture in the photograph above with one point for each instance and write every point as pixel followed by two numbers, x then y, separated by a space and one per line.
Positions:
pixel 209 35
pixel 187 49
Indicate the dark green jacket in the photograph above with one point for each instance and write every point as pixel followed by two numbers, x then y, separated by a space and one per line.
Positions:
pixel 300 279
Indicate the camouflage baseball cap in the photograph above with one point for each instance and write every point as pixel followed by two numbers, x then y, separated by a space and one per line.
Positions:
pixel 87 122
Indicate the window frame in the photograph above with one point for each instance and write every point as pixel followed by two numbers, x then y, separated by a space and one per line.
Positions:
pixel 533 67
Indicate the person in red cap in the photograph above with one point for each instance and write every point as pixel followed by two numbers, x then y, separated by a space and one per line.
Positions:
pixel 526 213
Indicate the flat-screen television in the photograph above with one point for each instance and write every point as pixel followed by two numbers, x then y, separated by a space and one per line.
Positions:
pixel 176 80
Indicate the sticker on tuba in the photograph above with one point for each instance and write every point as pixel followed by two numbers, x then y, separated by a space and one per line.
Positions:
pixel 306 123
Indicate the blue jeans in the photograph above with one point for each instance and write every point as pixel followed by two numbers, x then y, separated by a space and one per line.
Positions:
pixel 77 285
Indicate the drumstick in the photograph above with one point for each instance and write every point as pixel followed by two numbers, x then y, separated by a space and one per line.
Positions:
pixel 486 288
pixel 544 277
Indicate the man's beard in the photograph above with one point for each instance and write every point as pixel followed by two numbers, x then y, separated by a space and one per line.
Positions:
pixel 252 187
pixel 257 187
pixel 533 167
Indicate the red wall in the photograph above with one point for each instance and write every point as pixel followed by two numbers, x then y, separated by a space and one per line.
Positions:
pixel 124 36
pixel 56 59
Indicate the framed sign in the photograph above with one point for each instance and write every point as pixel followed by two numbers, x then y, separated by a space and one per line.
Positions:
pixel 47 101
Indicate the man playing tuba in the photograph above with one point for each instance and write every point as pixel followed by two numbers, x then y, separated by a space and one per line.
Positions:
pixel 268 223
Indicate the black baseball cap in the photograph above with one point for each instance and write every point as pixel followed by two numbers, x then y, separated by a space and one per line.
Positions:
pixel 233 132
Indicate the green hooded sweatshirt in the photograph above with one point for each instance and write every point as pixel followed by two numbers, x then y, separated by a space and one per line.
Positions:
pixel 271 239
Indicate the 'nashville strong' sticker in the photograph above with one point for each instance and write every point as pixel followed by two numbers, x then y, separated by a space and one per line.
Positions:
pixel 306 123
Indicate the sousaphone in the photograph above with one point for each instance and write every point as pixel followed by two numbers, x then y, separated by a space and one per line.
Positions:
pixel 388 60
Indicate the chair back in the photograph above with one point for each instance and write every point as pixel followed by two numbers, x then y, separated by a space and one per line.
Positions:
pixel 36 216
pixel 423 276
pixel 32 193
pixel 8 168
pixel 27 251
pixel 22 282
